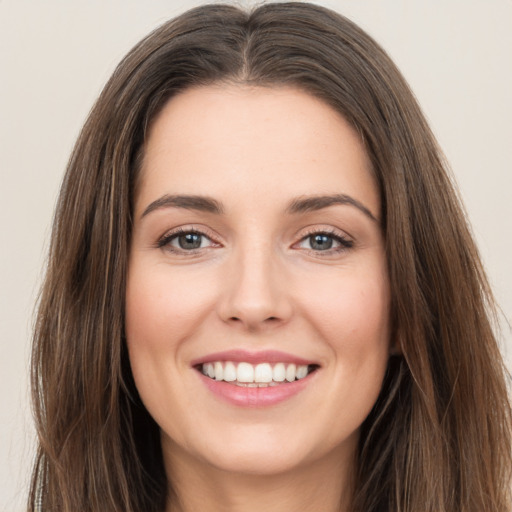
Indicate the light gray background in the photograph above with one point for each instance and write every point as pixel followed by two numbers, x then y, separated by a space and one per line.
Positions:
pixel 55 57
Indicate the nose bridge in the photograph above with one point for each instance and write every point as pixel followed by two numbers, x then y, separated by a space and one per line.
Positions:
pixel 255 293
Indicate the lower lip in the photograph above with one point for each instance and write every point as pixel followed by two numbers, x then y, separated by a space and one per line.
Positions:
pixel 256 397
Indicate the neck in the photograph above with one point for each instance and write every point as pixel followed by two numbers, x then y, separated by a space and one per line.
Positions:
pixel 325 485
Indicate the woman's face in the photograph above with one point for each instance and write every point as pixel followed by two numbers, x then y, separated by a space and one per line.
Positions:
pixel 257 258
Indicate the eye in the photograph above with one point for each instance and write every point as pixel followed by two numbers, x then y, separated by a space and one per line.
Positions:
pixel 324 241
pixel 185 240
pixel 188 241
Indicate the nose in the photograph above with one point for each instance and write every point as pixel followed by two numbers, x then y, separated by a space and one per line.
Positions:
pixel 255 293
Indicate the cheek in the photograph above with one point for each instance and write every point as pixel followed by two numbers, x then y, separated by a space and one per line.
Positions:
pixel 352 312
pixel 163 310
pixel 164 306
pixel 352 317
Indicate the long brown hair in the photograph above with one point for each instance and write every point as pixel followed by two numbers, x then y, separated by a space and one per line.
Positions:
pixel 439 436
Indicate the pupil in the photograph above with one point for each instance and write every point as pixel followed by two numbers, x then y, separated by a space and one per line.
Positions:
pixel 190 241
pixel 321 242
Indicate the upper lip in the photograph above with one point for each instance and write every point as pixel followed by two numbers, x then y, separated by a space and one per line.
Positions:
pixel 263 356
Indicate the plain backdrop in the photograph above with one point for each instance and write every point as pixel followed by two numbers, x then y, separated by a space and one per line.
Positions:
pixel 56 55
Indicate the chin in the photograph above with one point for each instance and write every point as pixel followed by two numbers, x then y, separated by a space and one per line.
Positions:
pixel 262 450
pixel 254 460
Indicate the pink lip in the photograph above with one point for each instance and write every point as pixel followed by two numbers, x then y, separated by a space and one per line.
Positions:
pixel 255 397
pixel 264 356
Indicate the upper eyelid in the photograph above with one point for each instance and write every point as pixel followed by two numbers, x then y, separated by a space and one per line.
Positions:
pixel 175 232
pixel 344 242
pixel 192 228
pixel 324 229
pixel 299 236
pixel 332 234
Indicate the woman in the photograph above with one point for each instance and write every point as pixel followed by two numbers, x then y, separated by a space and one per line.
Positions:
pixel 262 291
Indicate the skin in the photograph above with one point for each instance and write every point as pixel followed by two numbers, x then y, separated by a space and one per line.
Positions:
pixel 257 283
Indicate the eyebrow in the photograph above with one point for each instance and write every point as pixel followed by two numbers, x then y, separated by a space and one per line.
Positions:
pixel 300 205
pixel 201 203
pixel 313 203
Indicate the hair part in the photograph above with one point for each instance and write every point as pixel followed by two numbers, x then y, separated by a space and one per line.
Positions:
pixel 439 437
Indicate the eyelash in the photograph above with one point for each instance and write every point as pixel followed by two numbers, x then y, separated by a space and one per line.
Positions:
pixel 344 242
pixel 165 242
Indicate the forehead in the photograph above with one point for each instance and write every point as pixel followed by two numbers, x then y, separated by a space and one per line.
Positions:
pixel 282 142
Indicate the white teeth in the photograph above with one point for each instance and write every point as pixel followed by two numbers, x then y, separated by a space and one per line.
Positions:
pixel 279 372
pixel 290 372
pixel 219 371
pixel 263 373
pixel 302 371
pixel 245 372
pixel 229 372
pixel 260 375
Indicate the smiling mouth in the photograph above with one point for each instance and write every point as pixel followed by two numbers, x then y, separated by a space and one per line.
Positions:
pixel 260 375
